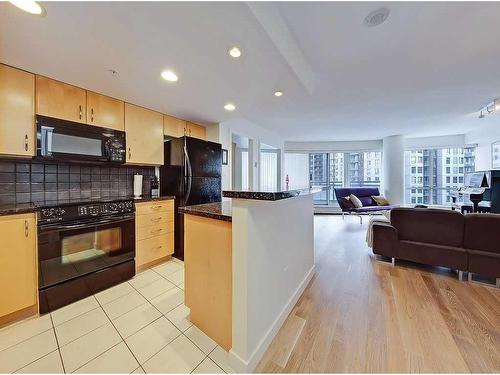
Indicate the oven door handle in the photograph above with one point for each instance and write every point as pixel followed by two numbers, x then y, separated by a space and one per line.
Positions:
pixel 54 227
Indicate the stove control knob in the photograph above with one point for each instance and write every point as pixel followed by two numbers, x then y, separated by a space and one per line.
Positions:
pixel 113 206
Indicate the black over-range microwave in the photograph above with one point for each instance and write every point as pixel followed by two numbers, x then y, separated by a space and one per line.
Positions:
pixel 72 141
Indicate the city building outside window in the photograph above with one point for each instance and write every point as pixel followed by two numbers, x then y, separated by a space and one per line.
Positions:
pixel 430 174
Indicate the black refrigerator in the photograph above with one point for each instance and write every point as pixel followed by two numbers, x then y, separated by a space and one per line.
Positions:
pixel 192 173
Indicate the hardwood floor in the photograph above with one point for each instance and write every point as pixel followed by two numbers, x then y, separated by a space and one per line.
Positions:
pixel 362 315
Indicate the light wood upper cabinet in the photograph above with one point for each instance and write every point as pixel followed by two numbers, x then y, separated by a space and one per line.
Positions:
pixel 60 100
pixel 105 111
pixel 144 130
pixel 17 110
pixel 18 273
pixel 196 131
pixel 173 126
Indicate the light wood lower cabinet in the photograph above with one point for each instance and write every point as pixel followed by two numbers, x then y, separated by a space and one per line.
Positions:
pixel 18 267
pixel 208 276
pixel 154 232
pixel 17 112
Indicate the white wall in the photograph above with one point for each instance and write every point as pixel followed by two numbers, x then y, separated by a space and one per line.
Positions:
pixel 273 260
pixel 440 141
pixel 222 133
pixel 373 145
pixel 488 131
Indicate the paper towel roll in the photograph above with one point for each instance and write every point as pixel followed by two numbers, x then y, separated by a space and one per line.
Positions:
pixel 137 185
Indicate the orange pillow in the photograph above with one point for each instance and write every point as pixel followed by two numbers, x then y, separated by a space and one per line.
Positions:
pixel 380 200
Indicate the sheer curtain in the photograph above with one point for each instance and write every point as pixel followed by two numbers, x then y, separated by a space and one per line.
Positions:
pixel 269 170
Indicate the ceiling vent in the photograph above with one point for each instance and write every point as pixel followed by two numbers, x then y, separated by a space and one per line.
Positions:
pixel 376 17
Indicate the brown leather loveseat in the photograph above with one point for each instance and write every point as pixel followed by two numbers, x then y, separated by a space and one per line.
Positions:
pixel 444 238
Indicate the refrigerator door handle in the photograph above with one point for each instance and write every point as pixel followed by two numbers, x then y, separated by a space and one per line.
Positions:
pixel 189 172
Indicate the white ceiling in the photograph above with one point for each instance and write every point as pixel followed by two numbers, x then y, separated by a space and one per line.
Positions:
pixel 425 71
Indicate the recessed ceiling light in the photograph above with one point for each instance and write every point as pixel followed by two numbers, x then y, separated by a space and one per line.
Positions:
pixel 29 6
pixel 235 52
pixel 170 76
pixel 229 107
pixel 278 93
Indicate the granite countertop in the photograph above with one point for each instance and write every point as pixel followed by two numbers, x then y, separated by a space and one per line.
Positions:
pixel 20 208
pixel 24 208
pixel 270 195
pixel 152 199
pixel 217 210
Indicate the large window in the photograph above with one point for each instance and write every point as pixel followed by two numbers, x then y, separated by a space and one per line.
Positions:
pixel 334 169
pixel 430 174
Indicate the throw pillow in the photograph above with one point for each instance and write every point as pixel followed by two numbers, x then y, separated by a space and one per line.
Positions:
pixel 380 200
pixel 346 203
pixel 355 201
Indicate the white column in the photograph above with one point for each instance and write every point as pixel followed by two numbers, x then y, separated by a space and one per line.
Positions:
pixel 393 163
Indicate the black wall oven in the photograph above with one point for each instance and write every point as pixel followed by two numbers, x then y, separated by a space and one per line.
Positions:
pixel 71 141
pixel 83 249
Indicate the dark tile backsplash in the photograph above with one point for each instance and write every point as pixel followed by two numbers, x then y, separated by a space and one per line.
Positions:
pixel 24 181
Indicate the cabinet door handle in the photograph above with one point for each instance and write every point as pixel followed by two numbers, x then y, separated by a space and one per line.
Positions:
pixel 156 219
pixel 190 132
pixel 129 154
pixel 92 115
pixel 26 228
pixel 157 230
pixel 26 142
pixel 80 111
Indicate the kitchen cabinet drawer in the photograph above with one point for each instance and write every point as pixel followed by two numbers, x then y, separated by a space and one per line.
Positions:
pixel 17 112
pixel 154 248
pixel 154 207
pixel 60 100
pixel 147 220
pixel 141 233
pixel 105 111
pixel 18 273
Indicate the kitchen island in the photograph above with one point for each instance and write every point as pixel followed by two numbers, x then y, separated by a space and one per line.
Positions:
pixel 247 261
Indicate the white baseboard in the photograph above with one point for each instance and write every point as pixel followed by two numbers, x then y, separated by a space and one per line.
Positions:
pixel 247 366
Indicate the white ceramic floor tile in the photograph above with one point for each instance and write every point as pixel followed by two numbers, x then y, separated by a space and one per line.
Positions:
pixel 123 304
pixel 138 370
pixel 208 367
pixel 180 356
pixel 168 268
pixel 82 350
pixel 201 340
pixel 81 325
pixel 144 278
pixel 22 354
pixel 220 357
pixel 118 359
pixel 113 293
pixel 134 320
pixel 75 309
pixel 156 288
pixel 169 300
pixel 152 338
pixel 177 277
pixel 50 364
pixel 180 317
pixel 178 261
pixel 14 334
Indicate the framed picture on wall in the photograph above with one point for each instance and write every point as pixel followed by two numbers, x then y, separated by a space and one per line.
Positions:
pixel 224 156
pixel 495 155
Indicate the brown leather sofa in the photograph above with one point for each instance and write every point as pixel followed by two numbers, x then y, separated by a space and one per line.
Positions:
pixel 444 238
